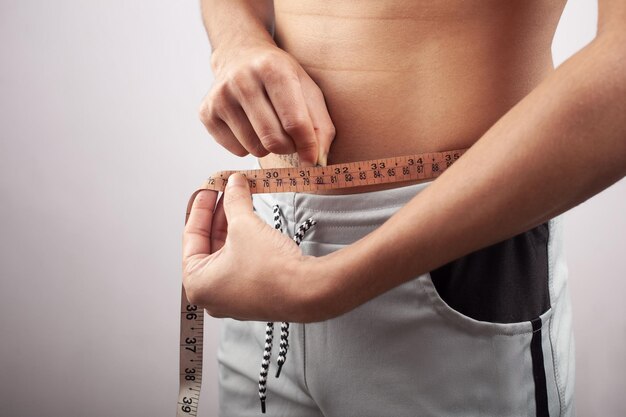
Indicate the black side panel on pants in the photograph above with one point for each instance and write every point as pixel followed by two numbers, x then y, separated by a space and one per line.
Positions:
pixel 539 371
pixel 504 283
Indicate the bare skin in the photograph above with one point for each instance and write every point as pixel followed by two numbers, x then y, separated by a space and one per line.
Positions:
pixel 380 84
pixel 402 76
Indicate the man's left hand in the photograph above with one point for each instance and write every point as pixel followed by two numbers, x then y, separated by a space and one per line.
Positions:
pixel 236 265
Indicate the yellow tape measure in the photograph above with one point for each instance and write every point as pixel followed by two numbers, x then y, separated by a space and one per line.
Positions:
pixel 422 166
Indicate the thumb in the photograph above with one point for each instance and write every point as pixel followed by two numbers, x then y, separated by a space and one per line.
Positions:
pixel 325 136
pixel 237 196
pixel 323 125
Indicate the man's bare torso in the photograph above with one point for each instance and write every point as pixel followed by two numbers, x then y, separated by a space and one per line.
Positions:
pixel 407 76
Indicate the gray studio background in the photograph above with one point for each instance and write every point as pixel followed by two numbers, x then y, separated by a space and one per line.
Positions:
pixel 100 148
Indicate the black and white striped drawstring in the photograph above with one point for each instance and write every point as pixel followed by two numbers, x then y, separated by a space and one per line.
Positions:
pixel 284 326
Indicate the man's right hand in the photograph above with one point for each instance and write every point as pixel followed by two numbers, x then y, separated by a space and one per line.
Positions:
pixel 263 101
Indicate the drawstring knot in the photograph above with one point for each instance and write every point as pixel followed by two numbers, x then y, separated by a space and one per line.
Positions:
pixel 284 326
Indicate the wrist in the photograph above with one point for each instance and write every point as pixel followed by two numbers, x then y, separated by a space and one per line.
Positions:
pixel 226 51
pixel 328 286
pixel 311 289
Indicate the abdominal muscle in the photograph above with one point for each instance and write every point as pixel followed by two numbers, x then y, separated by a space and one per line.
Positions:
pixel 411 76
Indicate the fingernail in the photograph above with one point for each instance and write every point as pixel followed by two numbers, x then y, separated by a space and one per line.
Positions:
pixel 321 159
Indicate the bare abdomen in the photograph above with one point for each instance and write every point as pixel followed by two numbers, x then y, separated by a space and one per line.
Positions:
pixel 403 77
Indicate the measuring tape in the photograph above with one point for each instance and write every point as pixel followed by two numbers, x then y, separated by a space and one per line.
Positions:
pixel 423 166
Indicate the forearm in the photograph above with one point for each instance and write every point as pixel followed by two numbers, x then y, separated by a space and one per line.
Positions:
pixel 231 23
pixel 560 145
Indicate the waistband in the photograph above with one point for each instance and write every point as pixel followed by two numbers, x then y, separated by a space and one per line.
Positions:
pixel 346 203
